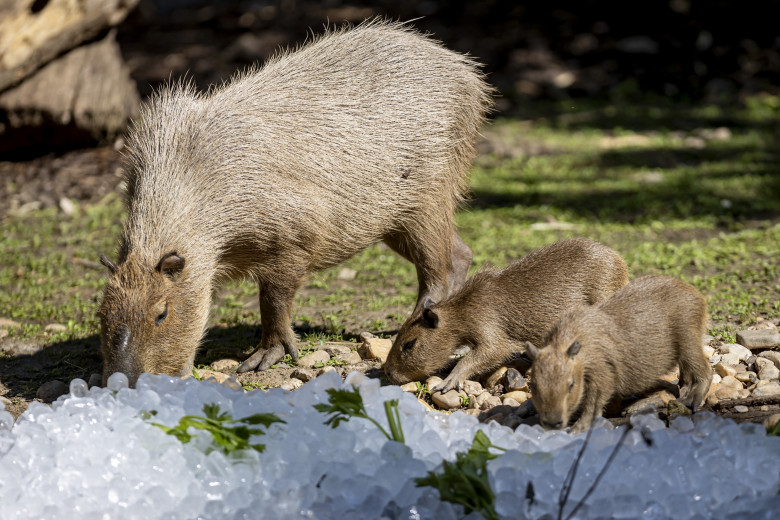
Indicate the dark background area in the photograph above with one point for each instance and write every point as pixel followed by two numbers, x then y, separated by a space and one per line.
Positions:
pixel 681 50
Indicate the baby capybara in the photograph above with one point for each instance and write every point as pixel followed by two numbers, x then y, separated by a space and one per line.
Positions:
pixel 359 136
pixel 497 311
pixel 621 347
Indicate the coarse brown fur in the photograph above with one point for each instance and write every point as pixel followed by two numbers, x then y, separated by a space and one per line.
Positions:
pixel 621 347
pixel 497 311
pixel 359 136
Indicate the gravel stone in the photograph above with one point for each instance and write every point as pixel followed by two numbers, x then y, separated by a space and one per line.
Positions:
pixel 770 388
pixel 495 378
pixel 513 380
pixel 351 358
pixel 433 381
pixel 410 387
pixel 741 408
pixel 375 348
pixel 731 358
pixel 724 370
pixel 309 360
pixel 706 339
pixel 221 365
pixel 758 338
pixel 51 390
pixel 325 369
pixel 472 387
pixel 730 381
pixel 481 398
pixel 337 350
pixel 730 392
pixel 449 400
pixel 291 384
pixel 747 377
pixel 708 351
pixel 490 402
pixel 9 324
pixel 55 327
pixel 771 355
pixel 653 402
pixel 304 374
pixel 733 348
pixel 771 421
pixel 508 401
pixel 95 380
pixel 517 395
pixel 767 369
pixel 347 274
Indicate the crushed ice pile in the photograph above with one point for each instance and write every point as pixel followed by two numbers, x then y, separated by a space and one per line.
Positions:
pixel 92 456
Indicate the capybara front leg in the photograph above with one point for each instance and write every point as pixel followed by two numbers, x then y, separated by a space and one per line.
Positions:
pixel 276 301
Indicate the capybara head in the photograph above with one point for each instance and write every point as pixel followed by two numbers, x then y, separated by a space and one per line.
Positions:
pixel 146 323
pixel 557 382
pixel 422 346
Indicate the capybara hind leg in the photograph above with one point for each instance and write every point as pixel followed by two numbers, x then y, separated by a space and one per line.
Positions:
pixel 461 262
pixel 276 301
pixel 433 261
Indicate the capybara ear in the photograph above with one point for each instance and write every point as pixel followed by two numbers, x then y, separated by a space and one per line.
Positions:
pixel 431 318
pixel 171 265
pixel 108 263
pixel 531 350
pixel 573 349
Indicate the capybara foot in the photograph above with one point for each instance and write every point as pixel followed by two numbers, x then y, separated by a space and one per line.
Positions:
pixel 261 359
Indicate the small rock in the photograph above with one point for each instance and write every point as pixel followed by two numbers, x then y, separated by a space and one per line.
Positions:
pixel 309 360
pixel 325 370
pixel 716 378
pixel 771 355
pixel 747 377
pixel 767 369
pixel 508 401
pixel 95 380
pixel 495 378
pixel 304 374
pixel 513 380
pixel 730 381
pixel 366 335
pixel 770 388
pixel 752 359
pixel 472 387
pixel 291 384
pixel 51 390
pixel 432 381
pixel 223 365
pixel 706 339
pixel 771 421
pixel 55 327
pixel 517 395
pixel 347 274
pixel 762 325
pixel 490 402
pixel 337 350
pixel 741 408
pixel 758 338
pixel 352 358
pixel 733 348
pixel 643 405
pixel 732 358
pixel 481 398
pixel 375 348
pixel 730 392
pixel 9 324
pixel 426 405
pixel 676 408
pixel 724 370
pixel 207 375
pixel 708 351
pixel 410 387
pixel 714 359
pixel 449 400
pixel 711 401
pixel 67 206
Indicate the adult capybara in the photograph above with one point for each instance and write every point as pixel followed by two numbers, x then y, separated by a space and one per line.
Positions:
pixel 497 311
pixel 359 136
pixel 620 347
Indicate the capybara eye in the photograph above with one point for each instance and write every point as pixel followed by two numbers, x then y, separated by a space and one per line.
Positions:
pixel 162 316
pixel 409 344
